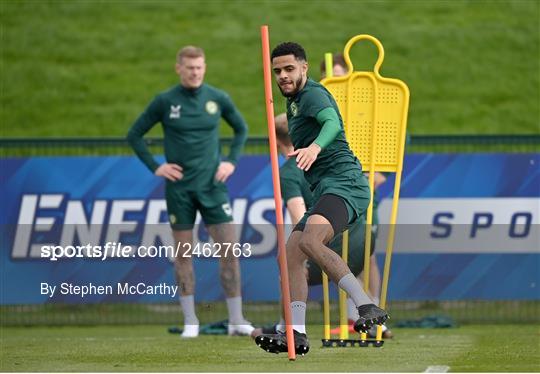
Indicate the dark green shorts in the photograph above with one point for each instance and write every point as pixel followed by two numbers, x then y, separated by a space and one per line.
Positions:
pixel 352 188
pixel 356 252
pixel 182 206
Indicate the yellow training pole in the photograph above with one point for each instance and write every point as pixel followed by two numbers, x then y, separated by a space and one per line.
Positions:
pixel 369 222
pixel 393 217
pixel 326 307
pixel 343 323
pixel 389 248
pixel 328 65
pixel 326 293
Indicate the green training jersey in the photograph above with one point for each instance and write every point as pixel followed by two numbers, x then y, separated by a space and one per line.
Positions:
pixel 293 183
pixel 190 121
pixel 336 159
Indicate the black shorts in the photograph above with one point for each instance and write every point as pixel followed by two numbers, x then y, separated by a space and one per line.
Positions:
pixel 331 207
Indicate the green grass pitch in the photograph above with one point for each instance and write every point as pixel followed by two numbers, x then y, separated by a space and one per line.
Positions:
pixel 88 68
pixel 493 348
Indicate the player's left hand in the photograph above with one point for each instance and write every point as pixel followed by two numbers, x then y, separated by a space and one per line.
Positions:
pixel 224 171
pixel 305 157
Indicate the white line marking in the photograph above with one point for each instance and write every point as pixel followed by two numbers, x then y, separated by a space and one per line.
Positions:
pixel 437 369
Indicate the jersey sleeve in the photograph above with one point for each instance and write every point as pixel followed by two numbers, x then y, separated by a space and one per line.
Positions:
pixel 329 121
pixel 233 117
pixel 147 120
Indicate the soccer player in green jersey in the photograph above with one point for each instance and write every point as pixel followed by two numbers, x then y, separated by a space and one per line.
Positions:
pixel 194 173
pixel 340 189
pixel 298 198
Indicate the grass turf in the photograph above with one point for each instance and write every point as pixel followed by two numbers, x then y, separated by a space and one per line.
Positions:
pixel 493 348
pixel 88 68
pixel 262 313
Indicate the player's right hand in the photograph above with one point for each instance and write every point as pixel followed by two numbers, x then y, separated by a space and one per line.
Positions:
pixel 305 157
pixel 172 172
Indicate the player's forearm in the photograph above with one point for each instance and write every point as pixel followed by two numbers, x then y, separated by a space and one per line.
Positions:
pixel 240 136
pixel 140 127
pixel 136 141
pixel 329 120
pixel 296 207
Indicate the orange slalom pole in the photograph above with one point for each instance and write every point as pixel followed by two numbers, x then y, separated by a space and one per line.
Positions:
pixel 282 256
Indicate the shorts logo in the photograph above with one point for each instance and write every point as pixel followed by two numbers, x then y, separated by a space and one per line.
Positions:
pixel 175 111
pixel 172 218
pixel 211 107
pixel 227 209
pixel 294 109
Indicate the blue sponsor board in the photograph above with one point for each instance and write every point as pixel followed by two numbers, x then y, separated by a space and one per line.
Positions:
pixel 63 201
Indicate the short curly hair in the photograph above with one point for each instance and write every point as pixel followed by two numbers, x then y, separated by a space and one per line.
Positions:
pixel 289 48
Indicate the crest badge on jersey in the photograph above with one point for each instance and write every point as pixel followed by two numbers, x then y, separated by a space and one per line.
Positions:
pixel 227 209
pixel 175 111
pixel 172 218
pixel 211 107
pixel 294 109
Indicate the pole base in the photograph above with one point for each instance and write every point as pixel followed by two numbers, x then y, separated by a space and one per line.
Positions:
pixel 340 343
